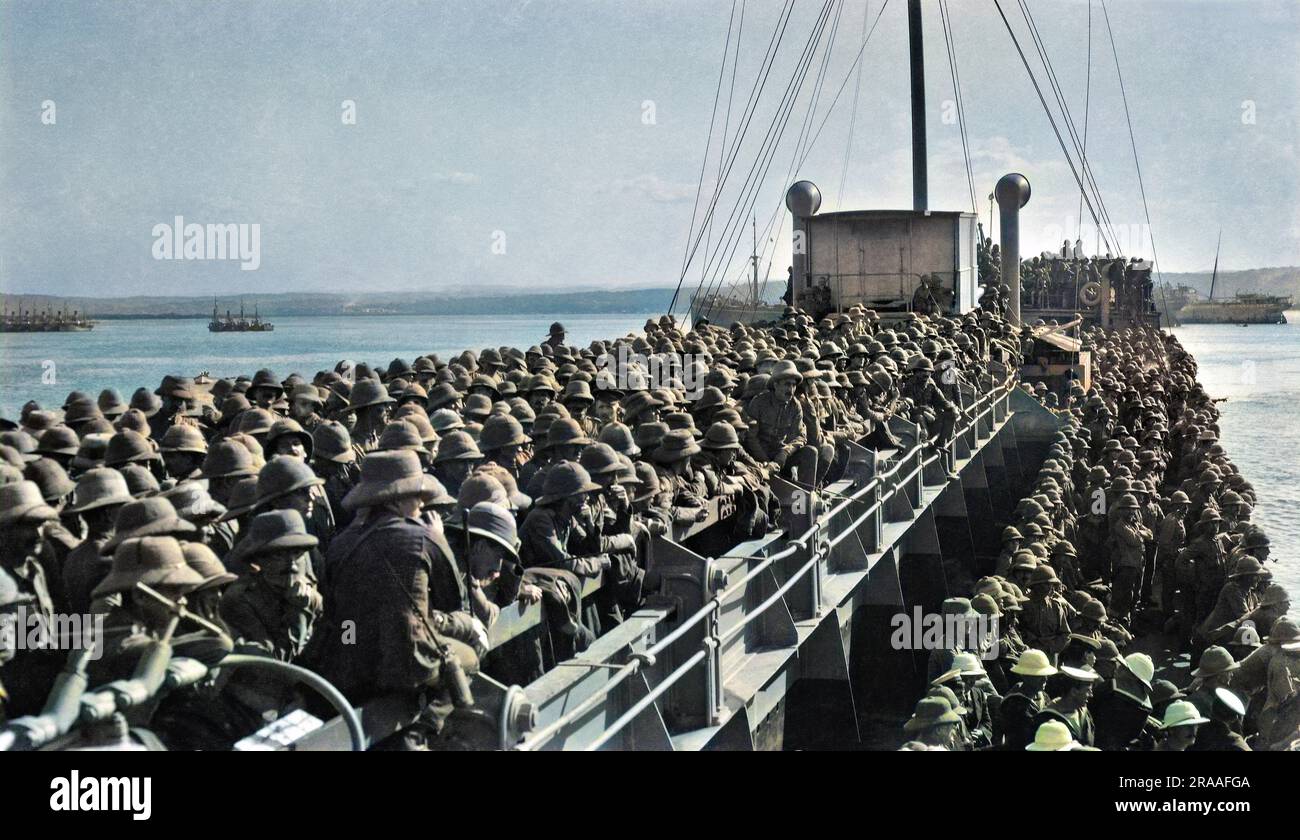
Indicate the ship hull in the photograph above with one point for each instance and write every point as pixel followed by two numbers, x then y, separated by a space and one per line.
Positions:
pixel 1202 313
pixel 726 314
pixel 47 328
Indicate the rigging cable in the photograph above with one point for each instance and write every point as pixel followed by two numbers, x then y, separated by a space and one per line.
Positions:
pixel 1061 141
pixel 720 267
pixel 726 123
pixel 1087 99
pixel 704 162
pixel 1155 260
pixel 1058 92
pixel 853 116
pixel 760 82
pixel 771 139
pixel 781 209
pixel 956 89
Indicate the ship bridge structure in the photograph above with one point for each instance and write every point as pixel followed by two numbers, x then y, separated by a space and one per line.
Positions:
pixel 783 641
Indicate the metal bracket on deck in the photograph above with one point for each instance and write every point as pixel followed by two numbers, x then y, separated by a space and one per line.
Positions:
pixel 691 581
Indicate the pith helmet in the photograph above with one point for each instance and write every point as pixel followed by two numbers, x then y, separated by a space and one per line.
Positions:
pixel 457 446
pixel 366 393
pixel 495 523
pixel 21 501
pixel 139 481
pixel 1052 736
pixel 97 488
pixel 50 477
pixel 480 487
pixel 228 458
pixel 1182 713
pixel 930 712
pixel 1247 567
pixel 256 421
pixel 501 430
pixel 445 420
pixel 283 475
pixel 331 442
pixel 566 479
pixel 1215 660
pixel 1043 574
pixel 58 440
pixel 566 431
pixel 153 561
pixel 204 560
pixel 288 427
pixel 721 436
pixel 1128 501
pixel 619 438
pixel 400 434
pixel 1033 663
pixel 110 403
pixel 193 504
pixel 128 448
pixel 389 476
pixel 784 369
pixel 1283 631
pixel 1141 666
pixel 600 459
pixel 276 530
pixel 676 445
pixel 151 517
pixel 146 402
pixel 649 481
pixel 183 438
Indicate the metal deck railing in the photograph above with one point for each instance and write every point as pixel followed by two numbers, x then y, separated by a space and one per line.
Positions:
pixel 722 627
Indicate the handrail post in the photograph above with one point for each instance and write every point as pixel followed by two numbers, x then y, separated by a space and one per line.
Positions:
pixel 817 546
pixel 713 672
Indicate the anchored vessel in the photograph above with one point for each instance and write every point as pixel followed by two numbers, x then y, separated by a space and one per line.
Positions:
pixel 240 324
pixel 27 321
pixel 1244 308
pixel 1183 305
pixel 743 304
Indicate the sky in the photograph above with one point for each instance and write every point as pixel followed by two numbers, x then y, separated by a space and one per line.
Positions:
pixel 552 144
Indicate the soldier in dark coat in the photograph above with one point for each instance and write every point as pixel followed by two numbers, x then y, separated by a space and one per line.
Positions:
pixel 1071 708
pixel 1021 705
pixel 394 619
pixel 99 495
pixel 26 673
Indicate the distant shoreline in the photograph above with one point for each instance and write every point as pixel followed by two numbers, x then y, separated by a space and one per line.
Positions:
pixel 320 304
pixel 208 316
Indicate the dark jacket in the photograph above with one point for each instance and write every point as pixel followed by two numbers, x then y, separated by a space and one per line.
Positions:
pixel 388 589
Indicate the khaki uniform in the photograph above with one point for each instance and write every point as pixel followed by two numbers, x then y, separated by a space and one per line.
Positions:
pixel 775 428
pixel 1045 624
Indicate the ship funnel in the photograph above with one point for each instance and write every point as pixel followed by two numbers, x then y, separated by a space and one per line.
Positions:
pixel 803 200
pixel 1012 193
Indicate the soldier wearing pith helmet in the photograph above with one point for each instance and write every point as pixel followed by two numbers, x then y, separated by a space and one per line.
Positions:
pixel 388 567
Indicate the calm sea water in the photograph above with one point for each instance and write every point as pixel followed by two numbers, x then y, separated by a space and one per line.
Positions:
pixel 127 354
pixel 1257 368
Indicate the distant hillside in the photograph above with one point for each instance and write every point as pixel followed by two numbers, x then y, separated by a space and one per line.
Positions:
pixel 378 303
pixel 1270 281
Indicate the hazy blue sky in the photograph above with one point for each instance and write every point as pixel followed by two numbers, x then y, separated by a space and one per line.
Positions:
pixel 527 118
